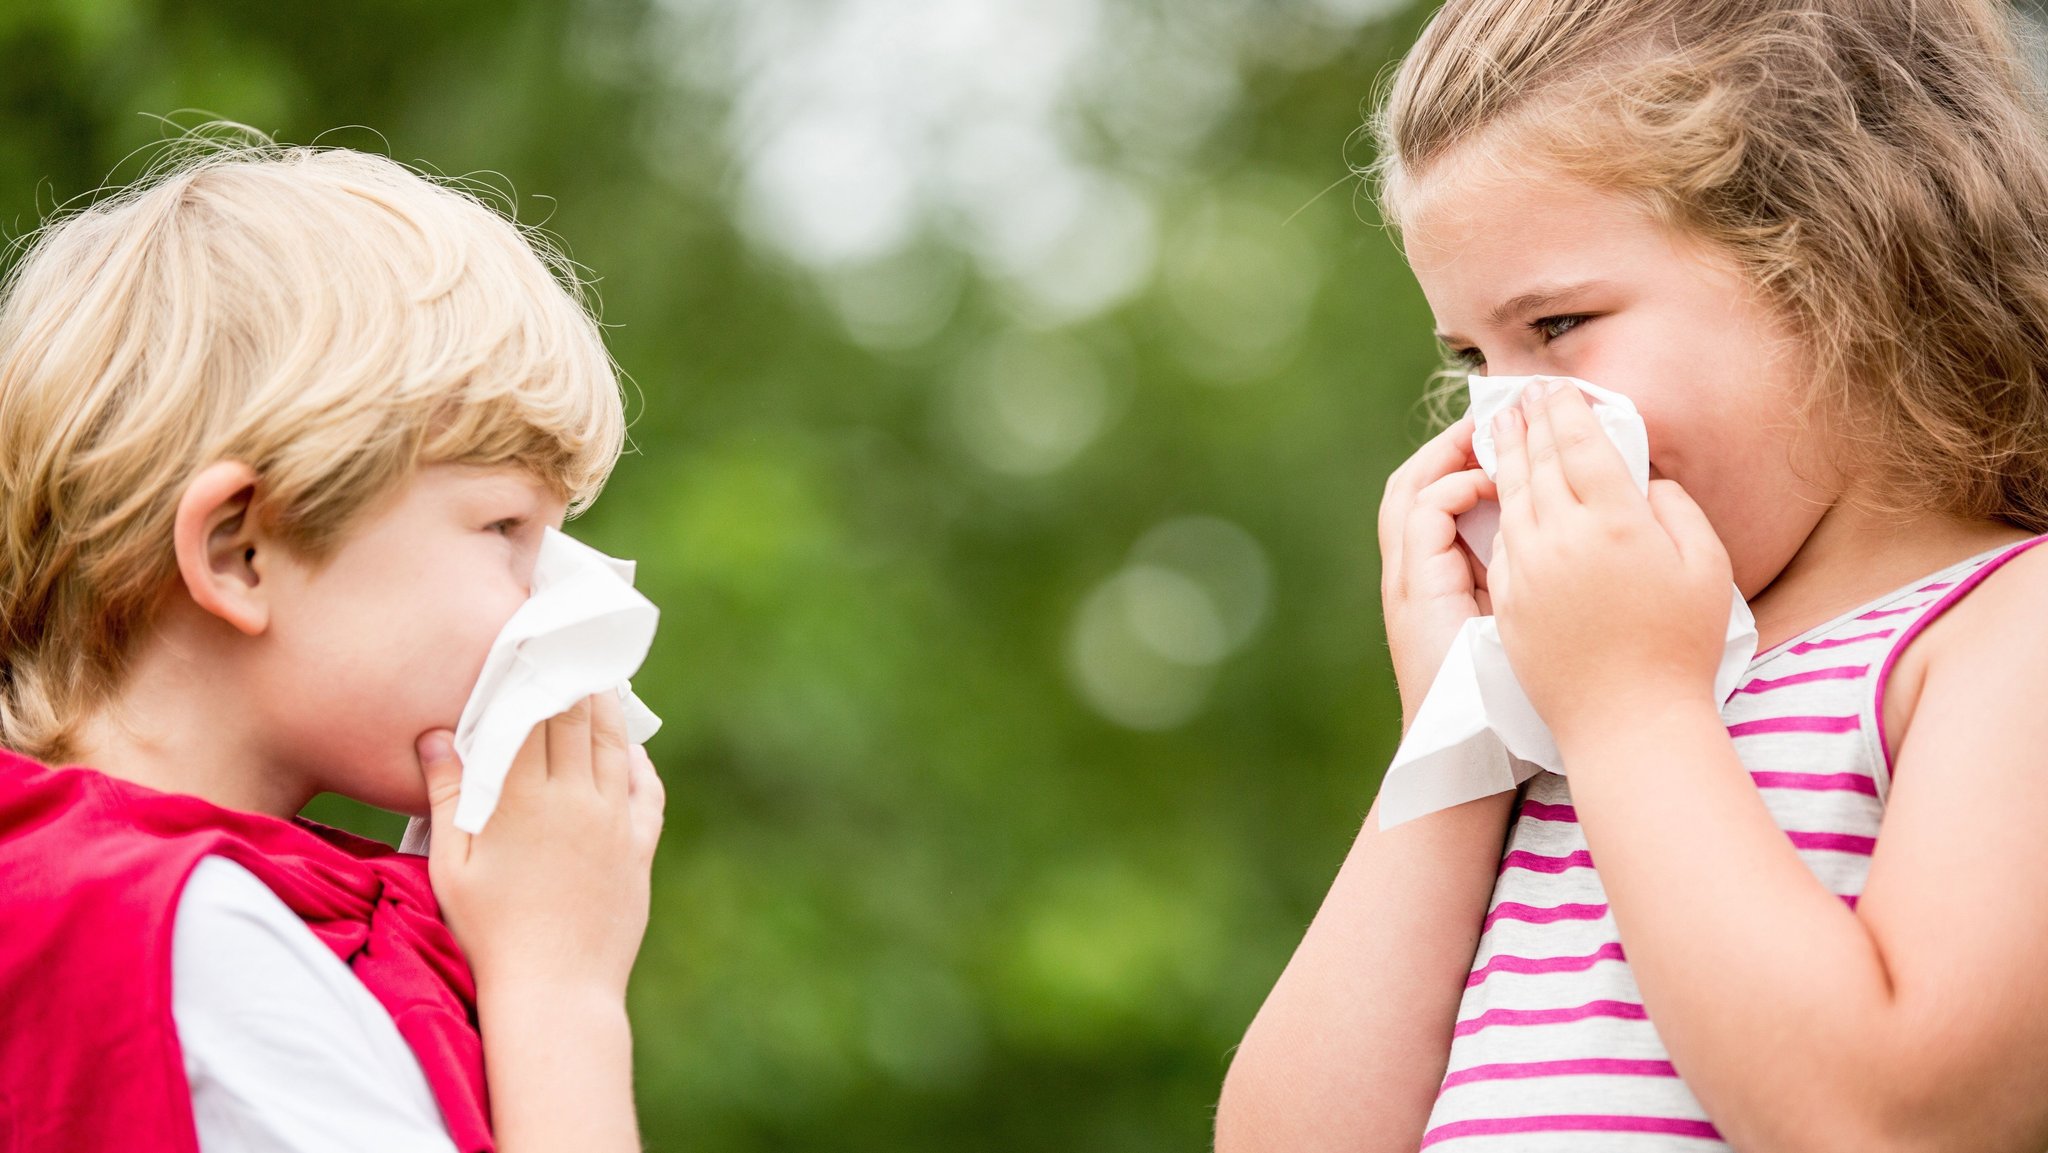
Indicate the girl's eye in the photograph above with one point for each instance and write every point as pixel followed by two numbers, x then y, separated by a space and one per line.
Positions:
pixel 1469 359
pixel 1552 327
pixel 505 527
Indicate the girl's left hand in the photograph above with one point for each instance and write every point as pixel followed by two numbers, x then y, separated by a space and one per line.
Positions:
pixel 1605 599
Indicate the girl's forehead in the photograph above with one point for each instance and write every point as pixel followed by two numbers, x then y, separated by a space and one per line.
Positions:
pixel 1490 224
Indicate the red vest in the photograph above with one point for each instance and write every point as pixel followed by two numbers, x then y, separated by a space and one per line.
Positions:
pixel 91 869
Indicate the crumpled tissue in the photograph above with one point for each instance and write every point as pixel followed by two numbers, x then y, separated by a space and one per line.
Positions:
pixel 583 630
pixel 1476 733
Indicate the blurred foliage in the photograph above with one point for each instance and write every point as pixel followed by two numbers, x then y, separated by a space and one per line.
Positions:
pixel 1022 669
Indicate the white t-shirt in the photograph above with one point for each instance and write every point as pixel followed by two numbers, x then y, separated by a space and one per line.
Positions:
pixel 285 1050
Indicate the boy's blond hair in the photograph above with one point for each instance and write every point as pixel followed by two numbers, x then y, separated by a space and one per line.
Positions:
pixel 330 318
pixel 1878 170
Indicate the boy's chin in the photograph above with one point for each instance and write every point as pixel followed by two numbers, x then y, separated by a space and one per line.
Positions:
pixel 399 790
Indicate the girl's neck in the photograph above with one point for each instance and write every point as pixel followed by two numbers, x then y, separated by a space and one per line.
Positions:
pixel 1853 556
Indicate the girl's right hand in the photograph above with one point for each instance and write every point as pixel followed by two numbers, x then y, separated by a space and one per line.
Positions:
pixel 554 892
pixel 1430 584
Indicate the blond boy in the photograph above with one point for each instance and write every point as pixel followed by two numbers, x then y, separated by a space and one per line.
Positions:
pixel 280 430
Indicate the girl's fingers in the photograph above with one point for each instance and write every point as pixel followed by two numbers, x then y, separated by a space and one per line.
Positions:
pixel 1511 475
pixel 1447 452
pixel 1549 491
pixel 569 743
pixel 1686 525
pixel 1432 527
pixel 1497 579
pixel 610 763
pixel 1592 466
pixel 1458 493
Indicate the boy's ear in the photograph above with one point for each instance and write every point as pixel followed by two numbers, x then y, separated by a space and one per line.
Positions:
pixel 220 557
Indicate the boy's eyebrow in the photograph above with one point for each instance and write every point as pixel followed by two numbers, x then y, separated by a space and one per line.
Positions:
pixel 505 485
pixel 1535 300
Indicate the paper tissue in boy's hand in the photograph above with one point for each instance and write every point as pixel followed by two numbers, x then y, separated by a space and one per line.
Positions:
pixel 1476 733
pixel 584 630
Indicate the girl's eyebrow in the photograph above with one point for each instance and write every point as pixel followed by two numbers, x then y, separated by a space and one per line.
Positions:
pixel 1538 299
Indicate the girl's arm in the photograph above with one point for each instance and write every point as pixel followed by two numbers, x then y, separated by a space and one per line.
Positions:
pixel 1918 1021
pixel 1349 1048
pixel 550 903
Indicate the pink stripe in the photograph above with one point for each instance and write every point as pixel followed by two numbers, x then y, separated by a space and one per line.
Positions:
pixel 1536 915
pixel 1817 782
pixel 1837 642
pixel 1880 614
pixel 1937 586
pixel 1850 899
pixel 1538 863
pixel 1538 811
pixel 1621 1010
pixel 1584 1066
pixel 1847 724
pixel 1505 963
pixel 1834 842
pixel 1570 1123
pixel 1927 618
pixel 1837 673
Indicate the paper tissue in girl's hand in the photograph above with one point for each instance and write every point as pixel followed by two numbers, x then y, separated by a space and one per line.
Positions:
pixel 1476 733
pixel 584 630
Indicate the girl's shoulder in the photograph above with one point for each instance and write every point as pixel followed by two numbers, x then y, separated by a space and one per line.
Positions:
pixel 1991 632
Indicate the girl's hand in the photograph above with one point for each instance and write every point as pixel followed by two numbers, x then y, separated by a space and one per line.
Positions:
pixel 553 894
pixel 1430 585
pixel 1605 599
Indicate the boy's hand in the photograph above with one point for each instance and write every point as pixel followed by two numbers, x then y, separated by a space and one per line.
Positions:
pixel 1606 600
pixel 554 892
pixel 1429 583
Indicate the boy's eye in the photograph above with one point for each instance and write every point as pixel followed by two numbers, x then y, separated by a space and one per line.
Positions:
pixel 1552 327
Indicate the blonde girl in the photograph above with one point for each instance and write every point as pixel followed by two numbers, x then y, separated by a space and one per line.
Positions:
pixel 1809 240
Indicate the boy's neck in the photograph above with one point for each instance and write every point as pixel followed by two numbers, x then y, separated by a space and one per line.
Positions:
pixel 180 726
pixel 1854 556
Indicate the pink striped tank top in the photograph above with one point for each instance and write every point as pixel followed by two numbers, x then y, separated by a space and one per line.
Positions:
pixel 1553 1050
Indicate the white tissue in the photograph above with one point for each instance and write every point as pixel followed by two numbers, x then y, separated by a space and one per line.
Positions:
pixel 1476 733
pixel 584 630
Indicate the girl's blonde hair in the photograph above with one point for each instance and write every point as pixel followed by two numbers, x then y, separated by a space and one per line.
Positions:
pixel 1876 168
pixel 330 318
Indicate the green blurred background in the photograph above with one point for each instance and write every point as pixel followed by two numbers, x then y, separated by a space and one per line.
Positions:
pixel 1013 383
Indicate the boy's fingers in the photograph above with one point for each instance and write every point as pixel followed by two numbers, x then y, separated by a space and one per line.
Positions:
pixel 647 798
pixel 529 769
pixel 569 743
pixel 442 772
pixel 609 762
